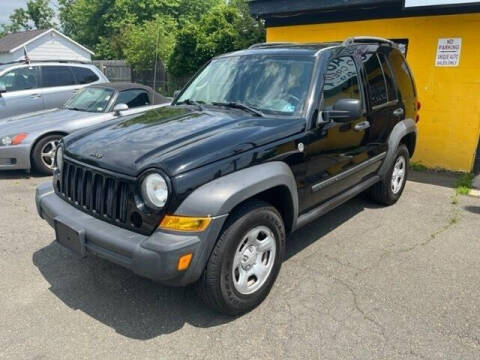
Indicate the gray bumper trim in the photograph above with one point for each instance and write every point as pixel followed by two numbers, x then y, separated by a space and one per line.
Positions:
pixel 153 256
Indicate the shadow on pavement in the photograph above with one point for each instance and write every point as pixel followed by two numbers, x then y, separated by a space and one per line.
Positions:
pixel 433 177
pixel 20 174
pixel 473 209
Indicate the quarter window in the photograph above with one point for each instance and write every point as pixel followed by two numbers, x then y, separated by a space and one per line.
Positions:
pixel 341 81
pixel 84 75
pixel 377 86
pixel 57 76
pixel 402 75
pixel 24 78
pixel 133 98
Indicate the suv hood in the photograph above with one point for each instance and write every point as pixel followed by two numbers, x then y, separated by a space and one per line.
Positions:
pixel 176 139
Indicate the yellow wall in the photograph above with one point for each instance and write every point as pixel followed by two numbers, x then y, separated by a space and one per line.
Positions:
pixel 449 124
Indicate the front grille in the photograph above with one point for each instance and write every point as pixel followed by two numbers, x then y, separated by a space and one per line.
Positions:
pixel 94 192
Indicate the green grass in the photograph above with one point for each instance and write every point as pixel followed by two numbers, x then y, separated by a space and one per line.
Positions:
pixel 464 184
pixel 417 166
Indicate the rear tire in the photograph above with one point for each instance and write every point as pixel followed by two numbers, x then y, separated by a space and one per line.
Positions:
pixel 245 261
pixel 389 190
pixel 43 154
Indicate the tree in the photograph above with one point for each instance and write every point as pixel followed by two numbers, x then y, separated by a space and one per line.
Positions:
pixel 223 29
pixel 37 15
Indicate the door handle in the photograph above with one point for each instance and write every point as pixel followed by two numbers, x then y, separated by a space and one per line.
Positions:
pixel 35 96
pixel 362 126
pixel 398 112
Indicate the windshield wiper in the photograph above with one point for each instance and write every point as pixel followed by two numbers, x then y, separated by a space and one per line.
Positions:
pixel 241 106
pixel 74 109
pixel 192 102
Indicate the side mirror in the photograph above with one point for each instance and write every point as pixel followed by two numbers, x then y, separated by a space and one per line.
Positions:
pixel 3 89
pixel 345 110
pixel 117 110
pixel 176 93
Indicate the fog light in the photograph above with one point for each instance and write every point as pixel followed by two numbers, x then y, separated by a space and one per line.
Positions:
pixel 184 262
pixel 185 223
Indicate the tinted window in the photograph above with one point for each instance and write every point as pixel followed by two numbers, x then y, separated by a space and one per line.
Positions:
pixel 341 81
pixel 84 75
pixel 377 88
pixel 402 75
pixel 24 78
pixel 387 72
pixel 133 98
pixel 57 76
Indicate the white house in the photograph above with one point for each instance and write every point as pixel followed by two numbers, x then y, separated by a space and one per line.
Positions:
pixel 42 45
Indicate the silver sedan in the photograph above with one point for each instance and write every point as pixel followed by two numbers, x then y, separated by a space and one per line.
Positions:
pixel 31 140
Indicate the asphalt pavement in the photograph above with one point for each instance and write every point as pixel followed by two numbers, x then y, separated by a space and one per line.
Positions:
pixel 363 282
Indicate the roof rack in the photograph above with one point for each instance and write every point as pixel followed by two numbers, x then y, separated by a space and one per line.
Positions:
pixel 367 40
pixel 48 61
pixel 270 44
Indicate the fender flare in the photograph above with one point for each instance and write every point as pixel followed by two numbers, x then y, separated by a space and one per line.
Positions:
pixel 404 127
pixel 220 196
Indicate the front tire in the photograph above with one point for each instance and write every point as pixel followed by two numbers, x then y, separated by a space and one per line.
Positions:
pixel 245 261
pixel 43 154
pixel 389 190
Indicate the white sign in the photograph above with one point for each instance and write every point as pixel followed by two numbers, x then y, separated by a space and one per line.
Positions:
pixel 420 3
pixel 448 52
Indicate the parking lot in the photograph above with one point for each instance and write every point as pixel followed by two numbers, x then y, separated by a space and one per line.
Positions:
pixel 363 282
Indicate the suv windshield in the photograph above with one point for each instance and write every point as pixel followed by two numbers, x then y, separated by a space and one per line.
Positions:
pixel 269 83
pixel 90 99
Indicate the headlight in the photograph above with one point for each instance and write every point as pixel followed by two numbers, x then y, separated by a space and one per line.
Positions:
pixel 155 191
pixel 13 139
pixel 59 158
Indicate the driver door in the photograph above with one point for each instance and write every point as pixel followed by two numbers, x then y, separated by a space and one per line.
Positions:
pixel 336 150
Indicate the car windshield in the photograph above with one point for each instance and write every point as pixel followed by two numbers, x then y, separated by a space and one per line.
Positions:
pixel 271 84
pixel 90 99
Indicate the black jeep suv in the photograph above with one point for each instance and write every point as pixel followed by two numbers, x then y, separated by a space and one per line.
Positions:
pixel 259 143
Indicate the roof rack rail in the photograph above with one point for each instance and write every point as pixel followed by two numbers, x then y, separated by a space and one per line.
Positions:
pixel 366 40
pixel 49 61
pixel 269 44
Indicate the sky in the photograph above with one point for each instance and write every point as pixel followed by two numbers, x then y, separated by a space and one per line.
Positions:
pixel 7 7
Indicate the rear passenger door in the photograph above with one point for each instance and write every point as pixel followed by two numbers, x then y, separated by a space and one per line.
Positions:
pixel 58 84
pixel 384 109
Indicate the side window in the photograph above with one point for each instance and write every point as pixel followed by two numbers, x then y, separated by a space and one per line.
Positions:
pixel 57 76
pixel 133 98
pixel 402 75
pixel 341 81
pixel 84 75
pixel 377 87
pixel 24 78
pixel 387 72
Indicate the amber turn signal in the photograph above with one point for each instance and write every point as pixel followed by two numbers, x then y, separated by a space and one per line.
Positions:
pixel 184 262
pixel 185 223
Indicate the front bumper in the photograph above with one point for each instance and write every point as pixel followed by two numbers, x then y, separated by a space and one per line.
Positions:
pixel 15 157
pixel 155 256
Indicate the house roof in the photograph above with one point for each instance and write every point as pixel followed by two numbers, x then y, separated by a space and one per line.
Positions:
pixel 12 42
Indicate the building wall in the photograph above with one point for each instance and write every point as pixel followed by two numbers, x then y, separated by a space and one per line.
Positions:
pixel 49 47
pixel 449 124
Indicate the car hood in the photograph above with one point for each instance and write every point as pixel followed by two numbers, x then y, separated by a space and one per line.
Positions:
pixel 40 120
pixel 176 139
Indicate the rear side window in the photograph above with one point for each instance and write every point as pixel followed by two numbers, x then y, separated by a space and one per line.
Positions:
pixel 133 98
pixel 57 76
pixel 84 75
pixel 402 75
pixel 387 72
pixel 377 86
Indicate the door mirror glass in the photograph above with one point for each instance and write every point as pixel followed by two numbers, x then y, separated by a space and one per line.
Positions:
pixel 345 110
pixel 117 110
